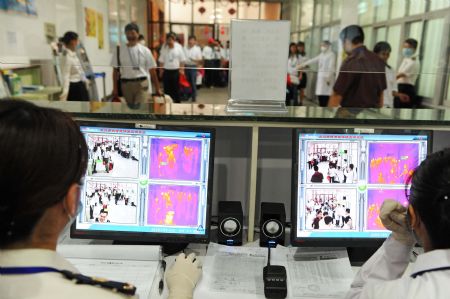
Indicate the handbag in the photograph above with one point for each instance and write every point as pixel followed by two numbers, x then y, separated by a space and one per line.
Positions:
pixel 119 78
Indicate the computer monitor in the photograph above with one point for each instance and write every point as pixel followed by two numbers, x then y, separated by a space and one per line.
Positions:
pixel 342 176
pixel 146 185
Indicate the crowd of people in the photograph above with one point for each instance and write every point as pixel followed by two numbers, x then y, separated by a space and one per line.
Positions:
pixel 328 213
pixel 337 167
pixel 101 198
pixel 365 79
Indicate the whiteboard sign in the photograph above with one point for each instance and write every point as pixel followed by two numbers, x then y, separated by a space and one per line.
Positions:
pixel 259 55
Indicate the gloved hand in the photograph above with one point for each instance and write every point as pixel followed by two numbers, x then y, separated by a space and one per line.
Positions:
pixel 183 276
pixel 393 217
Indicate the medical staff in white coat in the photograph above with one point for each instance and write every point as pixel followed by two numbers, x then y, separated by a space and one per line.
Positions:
pixel 40 197
pixel 425 221
pixel 325 74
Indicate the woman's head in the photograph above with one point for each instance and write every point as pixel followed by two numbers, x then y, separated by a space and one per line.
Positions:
pixel 70 39
pixel 430 200
pixel 43 155
pixel 383 50
pixel 292 49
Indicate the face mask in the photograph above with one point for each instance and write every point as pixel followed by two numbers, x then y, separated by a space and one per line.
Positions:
pixel 323 49
pixel 408 223
pixel 408 52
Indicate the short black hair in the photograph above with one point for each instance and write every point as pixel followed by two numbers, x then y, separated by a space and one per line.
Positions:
pixel 382 47
pixel 300 43
pixel 347 210
pixel 430 197
pixel 192 37
pixel 141 37
pixel 36 141
pixel 328 220
pixel 353 33
pixel 68 37
pixel 412 42
pixel 171 35
pixel 326 42
pixel 316 168
pixel 131 27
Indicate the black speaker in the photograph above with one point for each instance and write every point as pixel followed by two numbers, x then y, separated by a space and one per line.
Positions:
pixel 272 224
pixel 231 223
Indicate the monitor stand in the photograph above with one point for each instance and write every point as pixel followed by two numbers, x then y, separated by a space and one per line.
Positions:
pixel 167 248
pixel 359 255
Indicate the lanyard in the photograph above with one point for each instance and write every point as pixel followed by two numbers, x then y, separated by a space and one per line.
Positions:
pixel 431 270
pixel 124 288
pixel 26 270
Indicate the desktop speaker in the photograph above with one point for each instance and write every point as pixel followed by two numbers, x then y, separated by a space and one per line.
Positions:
pixel 272 224
pixel 231 223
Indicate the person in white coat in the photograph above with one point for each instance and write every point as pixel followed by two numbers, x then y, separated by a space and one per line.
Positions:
pixel 425 221
pixel 325 74
pixel 40 197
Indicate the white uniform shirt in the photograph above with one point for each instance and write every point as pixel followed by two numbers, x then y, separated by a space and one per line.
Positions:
pixel 293 63
pixel 71 71
pixel 135 61
pixel 172 57
pixel 410 67
pixel 383 275
pixel 391 83
pixel 326 72
pixel 46 285
pixel 194 53
pixel 208 53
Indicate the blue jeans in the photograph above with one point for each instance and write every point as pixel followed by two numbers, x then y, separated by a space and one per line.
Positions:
pixel 191 76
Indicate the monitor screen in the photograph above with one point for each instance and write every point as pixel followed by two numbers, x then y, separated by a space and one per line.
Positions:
pixel 146 184
pixel 341 179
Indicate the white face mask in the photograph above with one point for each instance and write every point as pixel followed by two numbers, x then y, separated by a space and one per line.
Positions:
pixel 323 49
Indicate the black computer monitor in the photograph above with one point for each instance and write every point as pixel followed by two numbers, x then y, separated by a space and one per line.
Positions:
pixel 146 185
pixel 340 177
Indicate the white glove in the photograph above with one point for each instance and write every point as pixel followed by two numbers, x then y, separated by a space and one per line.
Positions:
pixel 393 217
pixel 183 276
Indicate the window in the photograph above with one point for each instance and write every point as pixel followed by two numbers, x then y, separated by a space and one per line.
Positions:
pixel 380 34
pixel 393 39
pixel 398 9
pixel 226 11
pixel 181 12
pixel 203 12
pixel 326 33
pixel 415 30
pixel 430 63
pixel 336 10
pixel 368 37
pixel 439 4
pixel 417 7
pixel 270 11
pixel 365 12
pixel 382 10
pixel 306 18
pixel 326 14
pixel 318 13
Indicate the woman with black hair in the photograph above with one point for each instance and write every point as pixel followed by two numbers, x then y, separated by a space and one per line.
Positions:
pixel 44 159
pixel 292 70
pixel 73 76
pixel 425 221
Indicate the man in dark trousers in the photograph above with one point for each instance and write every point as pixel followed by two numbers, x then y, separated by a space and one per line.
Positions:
pixel 362 77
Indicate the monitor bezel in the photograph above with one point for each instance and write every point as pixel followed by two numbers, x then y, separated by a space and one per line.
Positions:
pixel 337 242
pixel 150 237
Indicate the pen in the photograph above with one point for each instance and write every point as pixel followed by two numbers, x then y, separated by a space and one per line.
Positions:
pixel 161 281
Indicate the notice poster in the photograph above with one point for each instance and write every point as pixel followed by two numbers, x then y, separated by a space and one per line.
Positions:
pixel 90 17
pixel 101 36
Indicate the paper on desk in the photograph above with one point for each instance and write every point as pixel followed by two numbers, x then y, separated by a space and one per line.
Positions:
pixel 314 273
pixel 234 270
pixel 134 264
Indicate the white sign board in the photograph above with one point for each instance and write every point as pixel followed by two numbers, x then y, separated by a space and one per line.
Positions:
pixel 259 55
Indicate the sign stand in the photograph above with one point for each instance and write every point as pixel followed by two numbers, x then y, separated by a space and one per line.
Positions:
pixel 258 62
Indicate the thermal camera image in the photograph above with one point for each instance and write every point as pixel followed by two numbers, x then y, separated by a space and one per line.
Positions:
pixel 173 205
pixel 175 159
pixel 392 163
pixel 375 200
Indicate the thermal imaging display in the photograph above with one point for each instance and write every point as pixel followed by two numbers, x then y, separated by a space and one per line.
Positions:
pixel 375 198
pixel 173 205
pixel 146 181
pixel 391 163
pixel 342 180
pixel 175 159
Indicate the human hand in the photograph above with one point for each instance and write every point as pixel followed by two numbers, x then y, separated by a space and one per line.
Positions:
pixel 183 276
pixel 393 217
